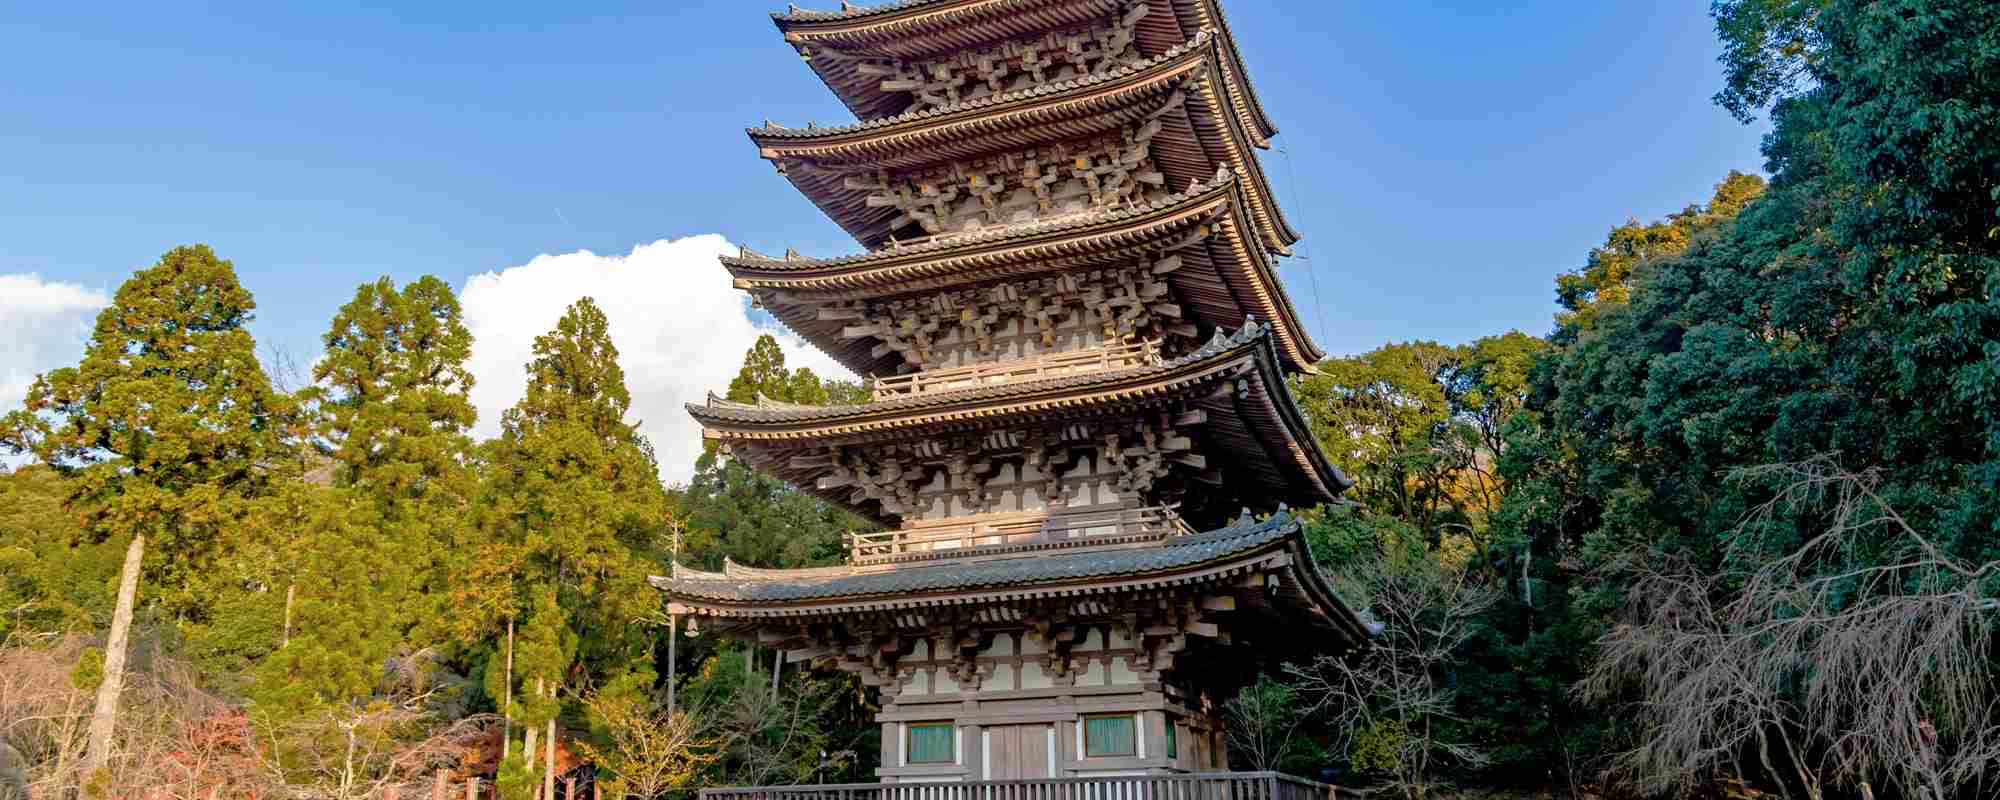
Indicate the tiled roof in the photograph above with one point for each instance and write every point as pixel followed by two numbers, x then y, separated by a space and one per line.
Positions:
pixel 1199 41
pixel 846 11
pixel 776 586
pixel 719 409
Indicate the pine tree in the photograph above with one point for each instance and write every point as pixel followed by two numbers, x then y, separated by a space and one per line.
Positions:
pixel 166 424
pixel 392 394
pixel 574 506
pixel 165 429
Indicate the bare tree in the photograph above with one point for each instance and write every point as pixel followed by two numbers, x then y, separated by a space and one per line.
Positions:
pixel 1860 657
pixel 1262 723
pixel 651 751
pixel 1385 702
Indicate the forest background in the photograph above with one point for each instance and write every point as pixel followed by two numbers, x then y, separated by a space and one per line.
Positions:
pixel 1733 524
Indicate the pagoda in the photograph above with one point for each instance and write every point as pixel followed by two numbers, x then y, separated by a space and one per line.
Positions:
pixel 1079 442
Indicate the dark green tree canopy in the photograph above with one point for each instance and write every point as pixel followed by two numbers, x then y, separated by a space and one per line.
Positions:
pixel 393 387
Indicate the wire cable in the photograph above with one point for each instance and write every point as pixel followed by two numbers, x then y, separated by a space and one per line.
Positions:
pixel 1305 245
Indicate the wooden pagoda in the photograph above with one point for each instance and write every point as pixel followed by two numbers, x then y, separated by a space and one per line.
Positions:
pixel 1079 442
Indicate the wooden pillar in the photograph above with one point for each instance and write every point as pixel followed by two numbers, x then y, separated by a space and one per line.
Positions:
pixel 472 788
pixel 673 634
pixel 438 784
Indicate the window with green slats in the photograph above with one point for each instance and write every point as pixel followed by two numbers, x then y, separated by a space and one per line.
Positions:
pixel 1173 739
pixel 1110 736
pixel 931 743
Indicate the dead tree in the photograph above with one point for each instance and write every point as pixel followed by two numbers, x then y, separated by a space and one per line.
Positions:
pixel 1860 658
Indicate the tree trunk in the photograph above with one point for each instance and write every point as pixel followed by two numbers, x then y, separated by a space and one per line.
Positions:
pixel 549 776
pixel 528 754
pixel 291 590
pixel 507 707
pixel 105 718
pixel 673 633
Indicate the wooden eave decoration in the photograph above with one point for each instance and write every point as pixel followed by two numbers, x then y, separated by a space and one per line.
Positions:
pixel 1253 421
pixel 1197 139
pixel 886 604
pixel 1225 277
pixel 833 42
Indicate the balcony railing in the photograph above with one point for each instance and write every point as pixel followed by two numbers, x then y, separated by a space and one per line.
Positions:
pixel 1190 786
pixel 1047 365
pixel 991 533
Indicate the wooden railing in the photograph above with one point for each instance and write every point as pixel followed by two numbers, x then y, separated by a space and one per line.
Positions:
pixel 1190 786
pixel 988 533
pixel 1047 365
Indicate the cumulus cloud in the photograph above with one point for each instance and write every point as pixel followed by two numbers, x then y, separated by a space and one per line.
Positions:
pixel 43 325
pixel 680 328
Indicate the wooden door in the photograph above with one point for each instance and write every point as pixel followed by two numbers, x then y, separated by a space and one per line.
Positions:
pixel 1017 752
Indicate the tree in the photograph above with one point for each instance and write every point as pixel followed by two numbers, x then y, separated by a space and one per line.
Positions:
pixel 52 578
pixel 650 752
pixel 736 512
pixel 1831 669
pixel 165 424
pixel 164 429
pixel 572 503
pixel 1607 274
pixel 394 413
pixel 1393 707
pixel 393 391
pixel 1265 724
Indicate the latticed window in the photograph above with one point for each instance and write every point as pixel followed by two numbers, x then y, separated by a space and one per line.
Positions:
pixel 1173 739
pixel 931 743
pixel 1110 736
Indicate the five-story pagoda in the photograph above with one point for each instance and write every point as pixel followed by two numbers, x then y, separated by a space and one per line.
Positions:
pixel 1078 345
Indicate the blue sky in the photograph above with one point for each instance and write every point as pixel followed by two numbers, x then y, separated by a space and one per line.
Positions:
pixel 1446 160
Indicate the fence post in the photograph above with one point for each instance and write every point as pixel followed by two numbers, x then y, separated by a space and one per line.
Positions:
pixel 438 785
pixel 569 787
pixel 472 788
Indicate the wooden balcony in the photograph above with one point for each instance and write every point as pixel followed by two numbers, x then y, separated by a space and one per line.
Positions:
pixel 1103 358
pixel 989 534
pixel 1187 786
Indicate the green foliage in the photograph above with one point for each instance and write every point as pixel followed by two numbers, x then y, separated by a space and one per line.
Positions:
pixel 392 390
pixel 1607 275
pixel 1380 746
pixel 166 425
pixel 735 512
pixel 52 576
pixel 1415 425
pixel 570 523
pixel 89 671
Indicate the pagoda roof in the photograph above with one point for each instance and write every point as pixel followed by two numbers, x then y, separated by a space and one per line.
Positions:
pixel 1245 546
pixel 1222 280
pixel 1254 426
pixel 834 41
pixel 1194 141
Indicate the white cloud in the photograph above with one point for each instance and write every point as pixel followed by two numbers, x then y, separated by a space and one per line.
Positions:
pixel 43 325
pixel 680 328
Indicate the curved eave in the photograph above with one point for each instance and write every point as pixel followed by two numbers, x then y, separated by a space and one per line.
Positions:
pixel 1255 435
pixel 924 28
pixel 1278 548
pixel 1194 142
pixel 1087 395
pixel 1298 440
pixel 789 288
